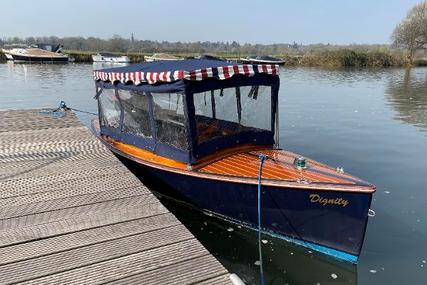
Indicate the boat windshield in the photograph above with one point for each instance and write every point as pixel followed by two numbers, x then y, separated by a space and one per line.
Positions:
pixel 232 112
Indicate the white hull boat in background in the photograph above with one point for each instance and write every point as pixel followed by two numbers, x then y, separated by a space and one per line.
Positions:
pixel 161 56
pixel 110 58
pixel 262 59
pixel 38 53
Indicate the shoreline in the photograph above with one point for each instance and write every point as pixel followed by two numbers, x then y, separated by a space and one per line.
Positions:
pixel 326 58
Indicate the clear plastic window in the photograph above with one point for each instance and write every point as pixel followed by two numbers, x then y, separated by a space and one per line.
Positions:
pixel 231 111
pixel 109 109
pixel 170 119
pixel 136 119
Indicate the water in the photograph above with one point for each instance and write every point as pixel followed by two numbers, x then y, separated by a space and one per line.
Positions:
pixel 371 122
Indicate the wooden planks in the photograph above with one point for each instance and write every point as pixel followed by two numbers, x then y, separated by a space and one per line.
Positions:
pixel 71 213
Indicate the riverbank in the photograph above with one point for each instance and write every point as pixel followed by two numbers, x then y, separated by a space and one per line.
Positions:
pixel 326 58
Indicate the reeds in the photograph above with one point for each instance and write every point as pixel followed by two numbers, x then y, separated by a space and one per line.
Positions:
pixel 351 58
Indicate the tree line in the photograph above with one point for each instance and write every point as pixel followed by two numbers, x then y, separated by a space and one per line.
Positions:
pixel 411 32
pixel 123 45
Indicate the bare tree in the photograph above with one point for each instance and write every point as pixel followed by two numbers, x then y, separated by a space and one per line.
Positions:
pixel 411 33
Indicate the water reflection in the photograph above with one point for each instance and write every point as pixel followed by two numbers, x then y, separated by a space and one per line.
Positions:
pixel 41 77
pixel 284 263
pixel 407 94
pixel 236 247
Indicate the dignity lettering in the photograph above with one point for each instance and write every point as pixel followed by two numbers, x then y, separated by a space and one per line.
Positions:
pixel 316 198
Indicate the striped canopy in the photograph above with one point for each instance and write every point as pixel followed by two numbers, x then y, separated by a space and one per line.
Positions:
pixel 171 71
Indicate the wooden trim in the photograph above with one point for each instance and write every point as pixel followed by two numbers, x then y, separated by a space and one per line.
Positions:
pixel 152 160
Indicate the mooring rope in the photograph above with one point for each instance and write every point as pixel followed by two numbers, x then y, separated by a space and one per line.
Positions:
pixel 62 108
pixel 262 158
pixel 85 112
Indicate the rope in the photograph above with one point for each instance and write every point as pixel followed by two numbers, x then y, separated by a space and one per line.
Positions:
pixel 81 111
pixel 62 108
pixel 262 158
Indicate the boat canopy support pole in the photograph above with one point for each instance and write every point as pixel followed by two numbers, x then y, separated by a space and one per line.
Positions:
pixel 239 104
pixel 275 108
pixel 276 128
pixel 98 91
pixel 213 104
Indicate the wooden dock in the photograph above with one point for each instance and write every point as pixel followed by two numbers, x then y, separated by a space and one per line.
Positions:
pixel 71 213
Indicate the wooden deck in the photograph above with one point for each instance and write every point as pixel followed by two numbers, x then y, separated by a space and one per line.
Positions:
pixel 71 213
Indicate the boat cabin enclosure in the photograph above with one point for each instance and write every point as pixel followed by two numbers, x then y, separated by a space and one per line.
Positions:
pixel 188 109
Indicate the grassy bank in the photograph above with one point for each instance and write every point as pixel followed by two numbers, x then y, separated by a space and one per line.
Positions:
pixel 327 58
pixel 335 58
pixel 351 58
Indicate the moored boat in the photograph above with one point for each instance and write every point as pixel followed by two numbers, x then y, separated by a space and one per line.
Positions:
pixel 262 59
pixel 39 53
pixel 110 58
pixel 201 126
pixel 209 56
pixel 161 56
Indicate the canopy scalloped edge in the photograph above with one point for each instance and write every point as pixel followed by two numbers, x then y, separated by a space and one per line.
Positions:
pixel 221 73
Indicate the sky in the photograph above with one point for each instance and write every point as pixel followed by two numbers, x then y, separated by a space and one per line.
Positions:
pixel 244 21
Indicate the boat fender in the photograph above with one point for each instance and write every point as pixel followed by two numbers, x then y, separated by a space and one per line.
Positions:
pixel 235 279
pixel 371 213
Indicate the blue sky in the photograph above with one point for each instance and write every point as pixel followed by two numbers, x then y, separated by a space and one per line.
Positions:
pixel 275 21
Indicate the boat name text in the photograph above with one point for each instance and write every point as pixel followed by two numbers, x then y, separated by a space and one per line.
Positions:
pixel 316 198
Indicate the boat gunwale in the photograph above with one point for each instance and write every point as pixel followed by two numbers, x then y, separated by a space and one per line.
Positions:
pixel 284 183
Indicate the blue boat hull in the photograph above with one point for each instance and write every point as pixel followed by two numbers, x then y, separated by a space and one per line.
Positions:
pixel 296 215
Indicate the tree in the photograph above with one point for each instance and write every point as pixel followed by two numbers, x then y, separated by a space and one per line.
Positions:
pixel 411 33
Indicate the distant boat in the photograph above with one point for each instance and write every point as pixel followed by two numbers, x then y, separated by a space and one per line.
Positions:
pixel 262 59
pixel 161 56
pixel 110 57
pixel 40 53
pixel 208 56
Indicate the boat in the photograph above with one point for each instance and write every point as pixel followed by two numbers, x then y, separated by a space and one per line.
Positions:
pixel 39 53
pixel 208 56
pixel 262 59
pixel 161 56
pixel 207 129
pixel 110 58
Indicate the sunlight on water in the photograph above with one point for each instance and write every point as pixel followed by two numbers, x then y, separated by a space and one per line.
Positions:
pixel 373 123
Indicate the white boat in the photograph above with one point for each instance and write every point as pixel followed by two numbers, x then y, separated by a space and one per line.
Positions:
pixel 6 54
pixel 110 57
pixel 40 53
pixel 262 59
pixel 161 56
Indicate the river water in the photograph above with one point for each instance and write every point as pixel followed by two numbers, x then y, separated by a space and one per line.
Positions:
pixel 371 122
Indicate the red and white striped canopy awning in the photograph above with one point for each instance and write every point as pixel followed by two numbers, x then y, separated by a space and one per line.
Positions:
pixel 220 72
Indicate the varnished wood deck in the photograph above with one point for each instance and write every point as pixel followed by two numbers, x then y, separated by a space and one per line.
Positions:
pixel 71 213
